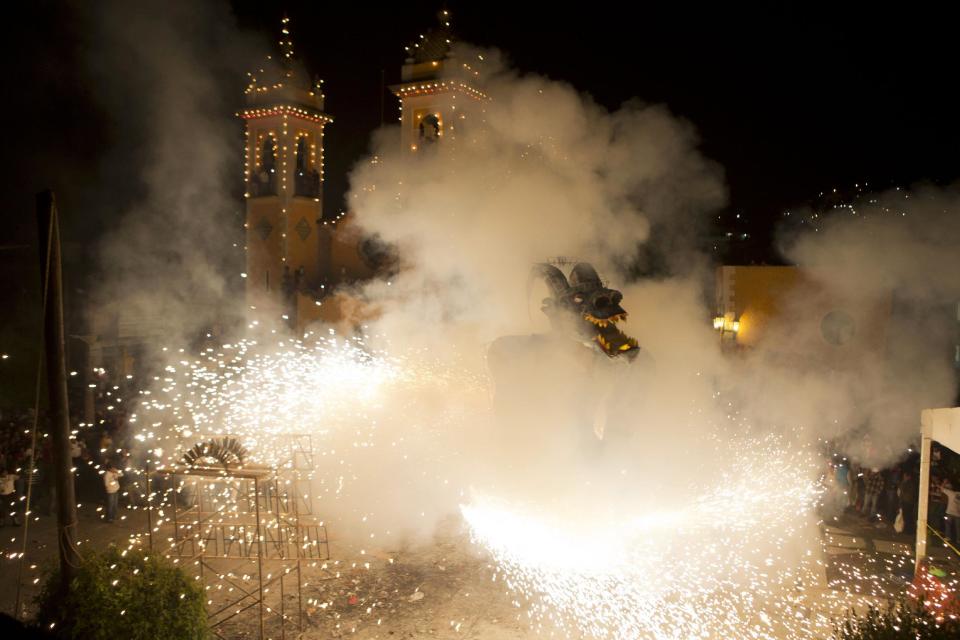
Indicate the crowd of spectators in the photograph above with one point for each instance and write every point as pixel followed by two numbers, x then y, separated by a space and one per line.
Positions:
pixel 889 496
pixel 96 446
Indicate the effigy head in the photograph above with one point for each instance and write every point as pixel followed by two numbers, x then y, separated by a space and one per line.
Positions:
pixel 584 307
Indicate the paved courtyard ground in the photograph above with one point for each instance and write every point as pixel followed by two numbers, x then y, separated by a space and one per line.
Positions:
pixel 443 588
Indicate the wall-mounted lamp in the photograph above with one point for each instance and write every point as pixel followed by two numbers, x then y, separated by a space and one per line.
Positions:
pixel 724 324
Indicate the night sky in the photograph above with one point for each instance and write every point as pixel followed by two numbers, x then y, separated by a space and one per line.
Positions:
pixel 790 101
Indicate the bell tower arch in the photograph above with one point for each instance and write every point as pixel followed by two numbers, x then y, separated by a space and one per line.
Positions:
pixel 433 85
pixel 283 176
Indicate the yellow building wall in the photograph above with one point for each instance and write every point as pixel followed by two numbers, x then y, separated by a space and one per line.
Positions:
pixel 347 262
pixel 264 250
pixel 804 316
pixel 303 239
pixel 759 295
pixel 282 229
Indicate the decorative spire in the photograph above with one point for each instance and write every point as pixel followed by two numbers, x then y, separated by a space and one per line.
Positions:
pixel 286 41
pixel 435 44
pixel 280 69
pixel 283 80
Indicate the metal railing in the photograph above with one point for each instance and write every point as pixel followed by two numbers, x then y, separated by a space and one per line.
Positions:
pixel 944 540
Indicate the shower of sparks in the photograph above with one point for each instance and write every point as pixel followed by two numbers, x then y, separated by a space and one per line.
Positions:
pixel 740 561
pixel 329 411
pixel 259 395
pixel 740 556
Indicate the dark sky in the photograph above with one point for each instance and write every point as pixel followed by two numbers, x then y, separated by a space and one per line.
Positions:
pixel 790 101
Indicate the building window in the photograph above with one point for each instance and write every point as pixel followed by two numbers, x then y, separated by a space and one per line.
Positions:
pixel 302 154
pixel 306 181
pixel 265 180
pixel 429 127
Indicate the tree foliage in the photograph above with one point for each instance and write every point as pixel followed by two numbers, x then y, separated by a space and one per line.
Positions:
pixel 136 596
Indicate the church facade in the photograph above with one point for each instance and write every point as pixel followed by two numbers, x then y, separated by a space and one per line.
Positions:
pixel 297 260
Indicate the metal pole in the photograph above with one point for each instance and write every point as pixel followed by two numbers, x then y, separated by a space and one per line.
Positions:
pixel 283 618
pixel 275 483
pixel 298 551
pixel 176 521
pixel 926 438
pixel 256 502
pixel 149 488
pixel 56 363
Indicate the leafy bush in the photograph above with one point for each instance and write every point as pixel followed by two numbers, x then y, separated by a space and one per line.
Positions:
pixel 903 619
pixel 137 596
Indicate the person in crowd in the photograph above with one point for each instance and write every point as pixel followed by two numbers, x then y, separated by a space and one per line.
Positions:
pixel 111 484
pixel 841 479
pixel 88 476
pixel 891 501
pixel 952 522
pixel 854 494
pixel 908 501
pixel 937 510
pixel 106 444
pixel 34 470
pixel 300 279
pixel 286 283
pixel 872 488
pixel 76 454
pixel 8 498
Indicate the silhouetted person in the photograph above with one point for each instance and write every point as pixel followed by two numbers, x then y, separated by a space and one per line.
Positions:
pixel 286 284
pixel 908 501
pixel 299 279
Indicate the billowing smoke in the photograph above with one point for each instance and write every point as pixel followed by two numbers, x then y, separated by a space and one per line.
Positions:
pixel 537 172
pixel 169 76
pixel 540 170
pixel 886 264
pixel 654 452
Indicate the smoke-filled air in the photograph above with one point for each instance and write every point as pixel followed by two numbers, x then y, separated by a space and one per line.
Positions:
pixel 668 493
pixel 539 373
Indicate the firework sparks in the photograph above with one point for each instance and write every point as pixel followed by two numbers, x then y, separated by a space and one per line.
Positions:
pixel 730 564
pixel 258 395
pixel 741 557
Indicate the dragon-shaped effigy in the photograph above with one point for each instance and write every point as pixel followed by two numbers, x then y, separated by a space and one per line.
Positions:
pixel 567 376
pixel 584 309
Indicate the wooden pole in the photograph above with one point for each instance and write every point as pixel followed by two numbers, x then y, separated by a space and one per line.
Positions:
pixel 926 440
pixel 56 365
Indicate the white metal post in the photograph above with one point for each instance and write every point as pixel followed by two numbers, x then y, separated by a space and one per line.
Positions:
pixel 926 430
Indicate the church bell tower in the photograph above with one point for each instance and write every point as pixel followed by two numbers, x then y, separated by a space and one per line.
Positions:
pixel 283 175
pixel 433 84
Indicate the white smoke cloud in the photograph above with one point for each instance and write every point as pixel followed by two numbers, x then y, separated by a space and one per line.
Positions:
pixel 539 170
pixel 888 262
pixel 161 72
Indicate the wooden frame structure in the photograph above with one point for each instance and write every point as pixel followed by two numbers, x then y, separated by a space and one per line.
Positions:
pixel 237 526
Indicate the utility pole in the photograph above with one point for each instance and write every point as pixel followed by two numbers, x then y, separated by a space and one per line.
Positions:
pixel 56 363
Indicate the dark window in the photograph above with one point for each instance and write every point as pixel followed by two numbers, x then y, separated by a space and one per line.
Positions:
pixel 264 180
pixel 306 181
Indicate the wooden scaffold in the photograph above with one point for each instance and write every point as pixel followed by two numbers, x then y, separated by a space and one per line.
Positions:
pixel 247 532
